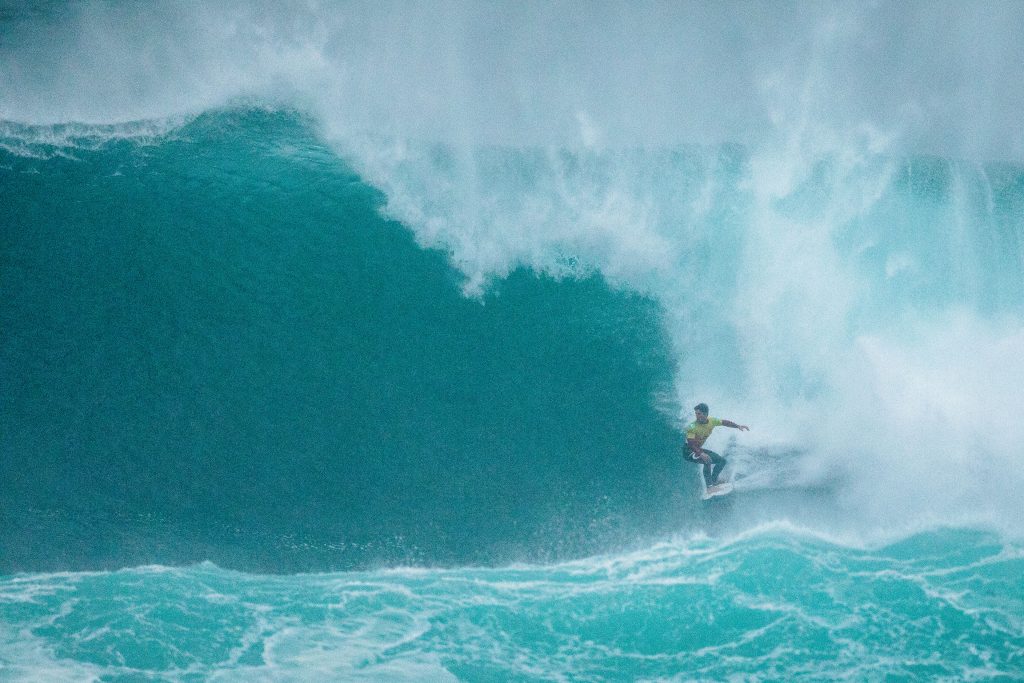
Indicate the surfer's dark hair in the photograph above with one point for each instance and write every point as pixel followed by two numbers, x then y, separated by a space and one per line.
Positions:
pixel 702 407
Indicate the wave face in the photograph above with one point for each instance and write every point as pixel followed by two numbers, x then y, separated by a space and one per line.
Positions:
pixel 216 349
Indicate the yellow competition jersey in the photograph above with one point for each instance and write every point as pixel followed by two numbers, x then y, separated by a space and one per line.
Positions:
pixel 701 432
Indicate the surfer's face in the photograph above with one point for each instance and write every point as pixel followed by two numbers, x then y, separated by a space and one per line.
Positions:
pixel 701 417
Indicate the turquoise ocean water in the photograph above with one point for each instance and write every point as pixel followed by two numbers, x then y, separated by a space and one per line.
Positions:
pixel 320 361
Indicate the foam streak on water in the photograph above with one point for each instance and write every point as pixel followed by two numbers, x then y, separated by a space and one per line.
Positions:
pixel 774 604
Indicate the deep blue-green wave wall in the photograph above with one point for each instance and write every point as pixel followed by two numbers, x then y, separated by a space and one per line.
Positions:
pixel 214 347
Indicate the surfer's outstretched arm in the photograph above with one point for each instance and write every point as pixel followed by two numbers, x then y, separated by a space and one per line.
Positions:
pixel 729 423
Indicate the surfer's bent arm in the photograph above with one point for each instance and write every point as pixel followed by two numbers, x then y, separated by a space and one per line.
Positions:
pixel 729 423
pixel 695 447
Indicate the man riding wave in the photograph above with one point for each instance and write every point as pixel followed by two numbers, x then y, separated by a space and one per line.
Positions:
pixel 697 432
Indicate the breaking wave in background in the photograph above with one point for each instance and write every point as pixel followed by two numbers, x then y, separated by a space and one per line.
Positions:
pixel 313 294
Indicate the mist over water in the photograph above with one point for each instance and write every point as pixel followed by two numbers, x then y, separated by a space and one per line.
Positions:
pixel 939 77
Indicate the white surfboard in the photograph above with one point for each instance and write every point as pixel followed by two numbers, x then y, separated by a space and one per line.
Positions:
pixel 721 489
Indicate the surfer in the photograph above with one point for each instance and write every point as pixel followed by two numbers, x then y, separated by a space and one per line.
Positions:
pixel 697 432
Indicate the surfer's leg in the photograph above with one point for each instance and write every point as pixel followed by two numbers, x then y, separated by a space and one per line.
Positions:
pixel 711 474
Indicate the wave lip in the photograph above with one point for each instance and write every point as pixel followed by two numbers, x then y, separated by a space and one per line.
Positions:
pixel 85 136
